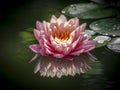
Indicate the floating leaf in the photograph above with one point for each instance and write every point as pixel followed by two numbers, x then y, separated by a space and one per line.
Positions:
pixel 27 35
pixel 89 11
pixel 101 40
pixel 89 32
pixel 109 26
pixel 29 29
pixel 114 44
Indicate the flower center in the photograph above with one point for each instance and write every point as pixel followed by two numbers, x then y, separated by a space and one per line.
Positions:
pixel 61 34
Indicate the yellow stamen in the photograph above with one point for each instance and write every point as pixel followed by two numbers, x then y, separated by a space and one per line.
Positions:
pixel 62 35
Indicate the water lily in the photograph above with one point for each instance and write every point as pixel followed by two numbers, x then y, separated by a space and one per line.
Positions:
pixel 62 39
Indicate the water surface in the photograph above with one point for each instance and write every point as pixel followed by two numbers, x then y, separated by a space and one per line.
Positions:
pixel 16 72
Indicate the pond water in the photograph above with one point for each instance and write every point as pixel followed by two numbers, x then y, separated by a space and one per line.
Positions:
pixel 17 73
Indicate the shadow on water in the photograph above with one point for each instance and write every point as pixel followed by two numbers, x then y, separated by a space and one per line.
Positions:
pixel 17 73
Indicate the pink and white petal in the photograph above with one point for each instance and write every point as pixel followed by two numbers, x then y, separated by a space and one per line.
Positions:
pixel 73 37
pixel 74 22
pixel 34 57
pixel 50 47
pixel 65 50
pixel 77 53
pixel 88 47
pixel 53 19
pixel 93 42
pixel 45 26
pixel 39 25
pixel 62 18
pixel 35 48
pixel 42 51
pixel 74 43
pixel 37 34
pixel 37 67
pixel 58 55
pixel 48 51
pixel 83 27
pixel 62 27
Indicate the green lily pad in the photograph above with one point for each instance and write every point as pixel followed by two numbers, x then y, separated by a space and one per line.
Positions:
pixel 89 11
pixel 114 44
pixel 89 32
pixel 109 26
pixel 27 35
pixel 101 40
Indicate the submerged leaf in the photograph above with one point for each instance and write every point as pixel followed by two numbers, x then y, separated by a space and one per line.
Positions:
pixel 89 11
pixel 109 26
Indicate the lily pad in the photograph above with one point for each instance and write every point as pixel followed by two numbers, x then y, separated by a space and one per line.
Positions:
pixel 101 40
pixel 109 26
pixel 89 32
pixel 89 11
pixel 114 44
pixel 27 35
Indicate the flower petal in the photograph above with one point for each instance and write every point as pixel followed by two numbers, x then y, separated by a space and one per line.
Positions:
pixel 35 48
pixel 77 53
pixel 58 55
pixel 37 34
pixel 83 27
pixel 89 46
pixel 39 25
pixel 63 18
pixel 74 22
pixel 53 19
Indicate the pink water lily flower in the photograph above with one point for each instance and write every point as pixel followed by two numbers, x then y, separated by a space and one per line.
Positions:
pixel 60 38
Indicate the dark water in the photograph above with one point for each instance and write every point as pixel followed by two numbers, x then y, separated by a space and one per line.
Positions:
pixel 17 73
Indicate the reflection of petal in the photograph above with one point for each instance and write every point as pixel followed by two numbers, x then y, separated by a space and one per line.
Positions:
pixel 37 68
pixel 35 57
pixel 51 67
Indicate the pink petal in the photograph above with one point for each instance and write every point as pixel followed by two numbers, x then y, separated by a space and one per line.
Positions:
pixel 74 22
pixel 77 53
pixel 89 46
pixel 37 34
pixel 62 18
pixel 53 19
pixel 35 48
pixel 77 34
pixel 83 27
pixel 48 51
pixel 39 25
pixel 75 42
pixel 58 55
pixel 33 58
pixel 37 67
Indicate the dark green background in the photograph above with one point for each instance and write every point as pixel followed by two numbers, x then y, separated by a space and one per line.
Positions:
pixel 17 73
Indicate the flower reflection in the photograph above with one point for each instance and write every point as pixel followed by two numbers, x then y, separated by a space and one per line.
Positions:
pixel 67 45
pixel 51 67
